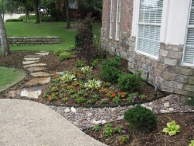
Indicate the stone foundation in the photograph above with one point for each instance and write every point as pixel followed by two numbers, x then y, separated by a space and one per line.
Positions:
pixel 36 40
pixel 166 72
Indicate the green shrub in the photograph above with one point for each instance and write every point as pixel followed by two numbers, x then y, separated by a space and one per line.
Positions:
pixel 141 118
pixel 58 51
pixel 64 55
pixel 80 63
pixel 189 100
pixel 14 20
pixel 130 82
pixel 47 19
pixel 110 71
pixel 71 48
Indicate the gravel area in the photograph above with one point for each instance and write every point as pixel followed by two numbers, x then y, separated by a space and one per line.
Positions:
pixel 88 117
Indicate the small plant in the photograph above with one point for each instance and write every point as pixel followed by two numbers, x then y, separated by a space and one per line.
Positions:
pixel 67 77
pixel 191 143
pixel 123 139
pixel 94 62
pixel 116 99
pixel 130 82
pixel 52 97
pixel 95 97
pixel 122 94
pixel 58 51
pixel 65 99
pixel 85 95
pixel 172 128
pixel 86 69
pixel 106 84
pixel 96 128
pixel 132 97
pixel 64 55
pixel 141 118
pixel 118 129
pixel 74 96
pixel 81 93
pixel 143 97
pixel 108 131
pixel 189 100
pixel 72 91
pixel 90 101
pixel 93 84
pixel 80 63
pixel 80 100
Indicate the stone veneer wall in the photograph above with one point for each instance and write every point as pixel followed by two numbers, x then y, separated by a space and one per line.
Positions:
pixel 166 72
pixel 36 40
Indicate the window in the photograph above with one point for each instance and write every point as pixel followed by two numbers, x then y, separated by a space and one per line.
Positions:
pixel 150 15
pixel 118 19
pixel 73 4
pixel 189 44
pixel 111 18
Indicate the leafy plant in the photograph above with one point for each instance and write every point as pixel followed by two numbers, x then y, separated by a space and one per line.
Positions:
pixel 65 99
pixel 81 93
pixel 71 91
pixel 64 55
pixel 58 51
pixel 80 63
pixel 67 77
pixel 94 62
pixel 116 99
pixel 80 100
pixel 191 143
pixel 108 131
pixel 95 96
pixel 118 129
pixel 141 118
pixel 132 97
pixel 74 96
pixel 93 84
pixel 123 139
pixel 96 128
pixel 106 84
pixel 90 101
pixel 172 128
pixel 143 97
pixel 130 82
pixel 189 100
pixel 86 69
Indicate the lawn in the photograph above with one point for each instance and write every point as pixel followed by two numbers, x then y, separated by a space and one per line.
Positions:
pixel 9 77
pixel 46 29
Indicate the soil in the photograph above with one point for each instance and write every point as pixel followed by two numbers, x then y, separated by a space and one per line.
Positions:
pixel 154 138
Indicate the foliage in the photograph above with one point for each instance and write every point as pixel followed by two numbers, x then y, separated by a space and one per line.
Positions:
pixel 123 139
pixel 130 82
pixel 95 5
pixel 108 131
pixel 110 71
pixel 118 129
pixel 14 20
pixel 86 69
pixel 116 99
pixel 80 100
pixel 189 100
pixel 47 19
pixel 58 51
pixel 191 143
pixel 80 63
pixel 67 77
pixel 90 101
pixel 64 55
pixel 56 14
pixel 93 84
pixel 96 128
pixel 172 128
pixel 141 118
pixel 96 97
pixel 132 97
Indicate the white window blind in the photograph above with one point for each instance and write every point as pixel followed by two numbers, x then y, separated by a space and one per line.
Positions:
pixel 189 45
pixel 118 19
pixel 111 18
pixel 150 16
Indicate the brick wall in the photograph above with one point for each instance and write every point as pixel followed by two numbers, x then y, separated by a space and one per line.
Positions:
pixel 166 72
pixel 36 40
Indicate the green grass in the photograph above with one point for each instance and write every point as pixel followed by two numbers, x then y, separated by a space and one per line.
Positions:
pixel 9 77
pixel 46 29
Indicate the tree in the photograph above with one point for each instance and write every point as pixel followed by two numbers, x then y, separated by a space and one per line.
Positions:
pixel 67 14
pixel 36 4
pixel 3 35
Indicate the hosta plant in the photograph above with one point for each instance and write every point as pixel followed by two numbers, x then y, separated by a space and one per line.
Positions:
pixel 86 69
pixel 191 143
pixel 68 77
pixel 93 84
pixel 172 128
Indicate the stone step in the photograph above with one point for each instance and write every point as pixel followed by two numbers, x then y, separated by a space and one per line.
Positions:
pixel 41 74
pixel 32 56
pixel 29 62
pixel 31 59
pixel 33 92
pixel 35 69
pixel 43 53
pixel 37 81
pixel 34 65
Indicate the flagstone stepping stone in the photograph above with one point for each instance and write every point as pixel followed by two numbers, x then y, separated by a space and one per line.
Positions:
pixel 35 65
pixel 33 92
pixel 32 56
pixel 43 53
pixel 29 62
pixel 35 69
pixel 60 73
pixel 31 59
pixel 41 74
pixel 36 81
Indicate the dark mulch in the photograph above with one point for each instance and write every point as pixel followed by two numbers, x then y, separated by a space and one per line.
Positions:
pixel 154 138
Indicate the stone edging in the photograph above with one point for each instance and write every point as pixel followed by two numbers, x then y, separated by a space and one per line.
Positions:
pixel 33 40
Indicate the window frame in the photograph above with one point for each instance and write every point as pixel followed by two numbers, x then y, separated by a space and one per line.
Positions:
pixel 111 19
pixel 118 19
pixel 148 24
pixel 187 28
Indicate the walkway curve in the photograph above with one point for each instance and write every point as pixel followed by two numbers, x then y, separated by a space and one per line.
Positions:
pixel 28 123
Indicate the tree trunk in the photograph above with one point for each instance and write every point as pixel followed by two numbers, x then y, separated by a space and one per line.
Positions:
pixel 67 14
pixel 36 2
pixel 3 35
pixel 26 13
pixel 3 9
